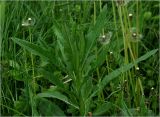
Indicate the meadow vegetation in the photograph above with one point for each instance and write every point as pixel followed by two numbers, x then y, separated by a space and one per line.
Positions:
pixel 79 58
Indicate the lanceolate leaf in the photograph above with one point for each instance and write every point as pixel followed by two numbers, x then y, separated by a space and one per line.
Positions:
pixel 57 95
pixel 37 50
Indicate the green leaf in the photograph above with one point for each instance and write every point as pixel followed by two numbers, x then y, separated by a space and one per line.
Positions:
pixel 21 106
pixel 86 88
pixel 102 108
pixel 97 28
pixel 57 95
pixel 60 40
pixel 48 108
pixel 14 64
pixel 35 49
pixel 101 57
pixel 94 32
pixel 51 77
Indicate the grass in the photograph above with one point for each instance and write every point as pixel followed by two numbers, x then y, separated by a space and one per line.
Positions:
pixel 79 58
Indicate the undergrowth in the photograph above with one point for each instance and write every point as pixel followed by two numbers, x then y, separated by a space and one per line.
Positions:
pixel 79 58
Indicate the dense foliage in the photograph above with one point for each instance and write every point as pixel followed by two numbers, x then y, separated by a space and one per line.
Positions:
pixel 79 58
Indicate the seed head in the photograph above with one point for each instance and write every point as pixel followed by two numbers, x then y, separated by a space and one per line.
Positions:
pixel 130 16
pixel 137 68
pixel 111 52
pixel 105 39
pixel 29 19
pixel 28 22
pixel 135 37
